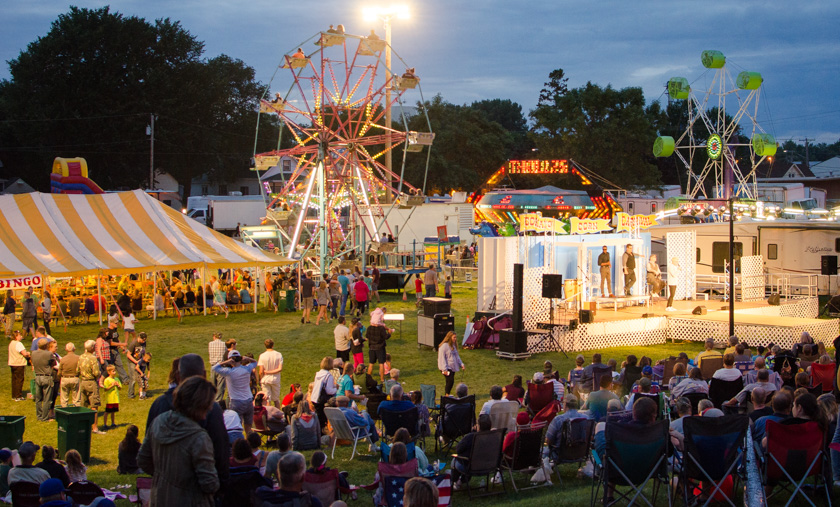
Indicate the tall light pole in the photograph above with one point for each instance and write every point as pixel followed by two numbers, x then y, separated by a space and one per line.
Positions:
pixel 386 13
pixel 150 131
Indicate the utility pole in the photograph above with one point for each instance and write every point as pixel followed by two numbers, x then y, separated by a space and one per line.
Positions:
pixel 807 154
pixel 150 131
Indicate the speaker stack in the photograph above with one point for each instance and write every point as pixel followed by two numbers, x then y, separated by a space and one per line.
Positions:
pixel 700 310
pixel 552 286
pixel 515 340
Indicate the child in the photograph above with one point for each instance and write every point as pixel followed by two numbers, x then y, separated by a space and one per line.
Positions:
pixel 113 314
pixel 128 326
pixel 394 380
pixel 141 367
pixel 357 344
pixel 127 452
pixel 5 466
pixel 387 364
pixel 76 470
pixel 112 387
pixel 447 288
pixel 418 289
pixel 318 466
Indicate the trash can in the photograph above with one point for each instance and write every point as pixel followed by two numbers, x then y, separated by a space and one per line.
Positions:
pixel 280 300
pixel 291 294
pixel 11 431
pixel 74 429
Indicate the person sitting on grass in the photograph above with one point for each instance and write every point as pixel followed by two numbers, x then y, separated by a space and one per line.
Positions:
pixel 53 467
pixel 127 452
pixel 318 466
pixel 291 469
pixel 26 471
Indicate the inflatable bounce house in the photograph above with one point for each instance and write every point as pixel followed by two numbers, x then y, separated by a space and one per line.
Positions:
pixel 70 176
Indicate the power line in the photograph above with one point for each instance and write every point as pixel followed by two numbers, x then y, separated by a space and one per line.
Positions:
pixel 73 118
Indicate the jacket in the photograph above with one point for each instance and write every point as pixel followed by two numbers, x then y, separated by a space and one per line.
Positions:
pixel 377 336
pixel 178 454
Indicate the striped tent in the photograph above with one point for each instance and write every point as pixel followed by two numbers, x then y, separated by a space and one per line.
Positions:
pixel 118 233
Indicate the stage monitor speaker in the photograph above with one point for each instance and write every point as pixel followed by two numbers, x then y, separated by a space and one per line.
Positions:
pixel 648 315
pixel 436 306
pixel 552 286
pixel 773 300
pixel 513 342
pixel 586 317
pixel 828 266
pixel 573 324
pixel 517 297
pixel 700 310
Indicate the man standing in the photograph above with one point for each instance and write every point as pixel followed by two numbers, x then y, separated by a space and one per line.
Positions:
pixel 374 288
pixel 136 344
pixel 17 362
pixel 88 371
pixel 29 314
pixel 40 334
pixel 307 288
pixel 237 370
pixel 216 350
pixel 42 363
pixel 628 262
pixel 342 340
pixel 344 281
pixel 9 313
pixel 69 375
pixel 271 364
pixel 606 273
pixel 430 280
pixel 113 340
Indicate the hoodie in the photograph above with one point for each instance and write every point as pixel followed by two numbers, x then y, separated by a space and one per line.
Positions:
pixel 178 454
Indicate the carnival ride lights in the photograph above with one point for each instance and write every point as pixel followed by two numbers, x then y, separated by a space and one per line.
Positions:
pixel 335 109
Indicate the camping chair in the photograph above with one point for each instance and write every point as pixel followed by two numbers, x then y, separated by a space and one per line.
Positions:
pixel 84 492
pixel 408 419
pixel 823 375
pixel 343 430
pixel 573 447
pixel 598 372
pixel 143 484
pixel 323 486
pixel 527 456
pixel 635 455
pixel 503 415
pixel 709 365
pixel 25 494
pixel 714 447
pixel 373 401
pixel 547 414
pixel 392 478
pixel 794 453
pixel 661 411
pixel 574 381
pixel 667 371
pixel 539 395
pixel 631 375
pixel 484 459
pixel 457 418
pixel 242 484
pixel 695 398
pixel 744 366
pixel 385 451
pixel 429 393
pixel 724 390
pixel 261 424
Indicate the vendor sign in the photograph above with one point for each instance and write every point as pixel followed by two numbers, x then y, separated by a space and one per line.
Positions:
pixel 625 222
pixel 537 223
pixel 20 282
pixel 588 225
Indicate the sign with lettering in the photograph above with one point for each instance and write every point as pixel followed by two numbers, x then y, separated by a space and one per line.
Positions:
pixel 625 222
pixel 21 282
pixel 537 223
pixel 537 167
pixel 588 225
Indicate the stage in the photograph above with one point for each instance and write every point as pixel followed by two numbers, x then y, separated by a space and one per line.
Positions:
pixel 756 323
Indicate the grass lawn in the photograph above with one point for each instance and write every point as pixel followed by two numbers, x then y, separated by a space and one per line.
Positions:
pixel 302 347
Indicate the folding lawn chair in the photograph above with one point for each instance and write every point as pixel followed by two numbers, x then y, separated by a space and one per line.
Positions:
pixel 457 418
pixel 721 391
pixel 713 448
pixel 84 492
pixel 484 460
pixel 823 375
pixel 574 444
pixel 527 456
pixel 709 365
pixel 631 375
pixel 343 430
pixel 539 395
pixel 794 453
pixel 503 415
pixel 392 421
pixel 429 394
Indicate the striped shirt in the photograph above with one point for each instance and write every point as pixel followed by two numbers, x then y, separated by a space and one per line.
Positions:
pixel 217 351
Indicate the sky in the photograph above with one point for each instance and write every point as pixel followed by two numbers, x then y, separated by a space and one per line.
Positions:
pixel 470 50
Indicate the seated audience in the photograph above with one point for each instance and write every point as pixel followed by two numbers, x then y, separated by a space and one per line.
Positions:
pixel 356 418
pixel 284 445
pixel 758 365
pixel 26 471
pixel 241 455
pixel 762 381
pixel 459 466
pixel 759 401
pixel 708 352
pixel 596 403
pixel 728 372
pixel 509 444
pixel 396 403
pixel 420 492
pixel 553 433
pixel 53 467
pixel 514 391
pixel 290 469
pixel 782 402
pixel 495 397
pixel 422 412
pixel 127 452
pixel 693 384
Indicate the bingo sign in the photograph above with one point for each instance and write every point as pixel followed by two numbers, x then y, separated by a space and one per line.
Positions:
pixel 22 282
pixel 537 167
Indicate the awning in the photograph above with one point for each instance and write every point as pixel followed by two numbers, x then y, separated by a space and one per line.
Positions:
pixel 117 233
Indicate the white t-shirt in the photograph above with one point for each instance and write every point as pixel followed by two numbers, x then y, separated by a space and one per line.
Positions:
pixel 727 374
pixel 270 360
pixel 15 356
pixel 129 321
pixel 342 337
pixel 674 271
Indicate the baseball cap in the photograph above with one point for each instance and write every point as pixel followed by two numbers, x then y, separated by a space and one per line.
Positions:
pixel 101 501
pixel 234 353
pixel 28 448
pixel 51 487
pixel 647 370
pixel 5 454
pixel 538 377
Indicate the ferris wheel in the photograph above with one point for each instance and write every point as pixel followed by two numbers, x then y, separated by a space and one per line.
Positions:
pixel 339 190
pixel 722 135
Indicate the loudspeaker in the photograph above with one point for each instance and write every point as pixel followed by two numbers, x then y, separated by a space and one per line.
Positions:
pixel 517 297
pixel 552 286
pixel 700 310
pixel 773 300
pixel 828 266
pixel 648 315
pixel 573 324
pixel 436 306
pixel 586 317
pixel 513 342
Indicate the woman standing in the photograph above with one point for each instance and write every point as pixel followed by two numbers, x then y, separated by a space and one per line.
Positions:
pixel 46 309
pixel 449 361
pixel 178 453
pixel 322 294
pixel 323 389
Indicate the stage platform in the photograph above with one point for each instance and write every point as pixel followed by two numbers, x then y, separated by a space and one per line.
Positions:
pixel 757 323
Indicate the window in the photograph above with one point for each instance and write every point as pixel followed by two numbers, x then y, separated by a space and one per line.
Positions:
pixel 837 245
pixel 720 253
pixel 222 190
pixel 287 166
pixel 698 256
pixel 205 190
pixel 244 190
pixel 630 207
pixel 772 251
pixel 653 207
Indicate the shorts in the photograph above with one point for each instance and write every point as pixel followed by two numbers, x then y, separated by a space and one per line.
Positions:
pixel 272 390
pixel 89 394
pixel 111 408
pixel 245 409
pixel 307 303
pixel 374 287
pixel 376 356
pixel 128 330
pixel 419 296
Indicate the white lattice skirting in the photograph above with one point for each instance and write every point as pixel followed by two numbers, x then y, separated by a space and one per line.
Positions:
pixel 785 336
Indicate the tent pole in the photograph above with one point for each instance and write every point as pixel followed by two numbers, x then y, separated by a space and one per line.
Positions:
pixel 154 294
pixel 99 294
pixel 204 283
pixel 256 279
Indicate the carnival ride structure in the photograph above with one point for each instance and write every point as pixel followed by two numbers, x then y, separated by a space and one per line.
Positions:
pixel 339 194
pixel 70 176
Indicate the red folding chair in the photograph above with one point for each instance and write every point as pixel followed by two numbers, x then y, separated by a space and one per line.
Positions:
pixel 539 395
pixel 823 375
pixel 794 454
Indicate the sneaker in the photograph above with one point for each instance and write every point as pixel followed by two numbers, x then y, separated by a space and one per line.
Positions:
pixel 301 320
pixel 98 432
pixel 670 309
pixel 459 486
pixel 20 399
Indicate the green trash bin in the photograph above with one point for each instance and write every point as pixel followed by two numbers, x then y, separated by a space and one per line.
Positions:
pixel 279 297
pixel 291 294
pixel 74 430
pixel 11 430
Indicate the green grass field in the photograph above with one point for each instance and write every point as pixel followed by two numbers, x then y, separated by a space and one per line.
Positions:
pixel 302 347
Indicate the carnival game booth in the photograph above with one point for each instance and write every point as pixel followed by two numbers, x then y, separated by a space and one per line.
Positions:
pixel 66 237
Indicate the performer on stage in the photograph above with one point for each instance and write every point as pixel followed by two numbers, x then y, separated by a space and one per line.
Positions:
pixel 674 273
pixel 449 361
pixel 654 275
pixel 628 262
pixel 606 273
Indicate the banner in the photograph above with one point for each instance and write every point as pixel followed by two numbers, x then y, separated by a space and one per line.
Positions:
pixel 588 225
pixel 537 223
pixel 21 282
pixel 625 222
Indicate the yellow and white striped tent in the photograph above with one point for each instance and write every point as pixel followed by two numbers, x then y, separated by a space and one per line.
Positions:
pixel 118 233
